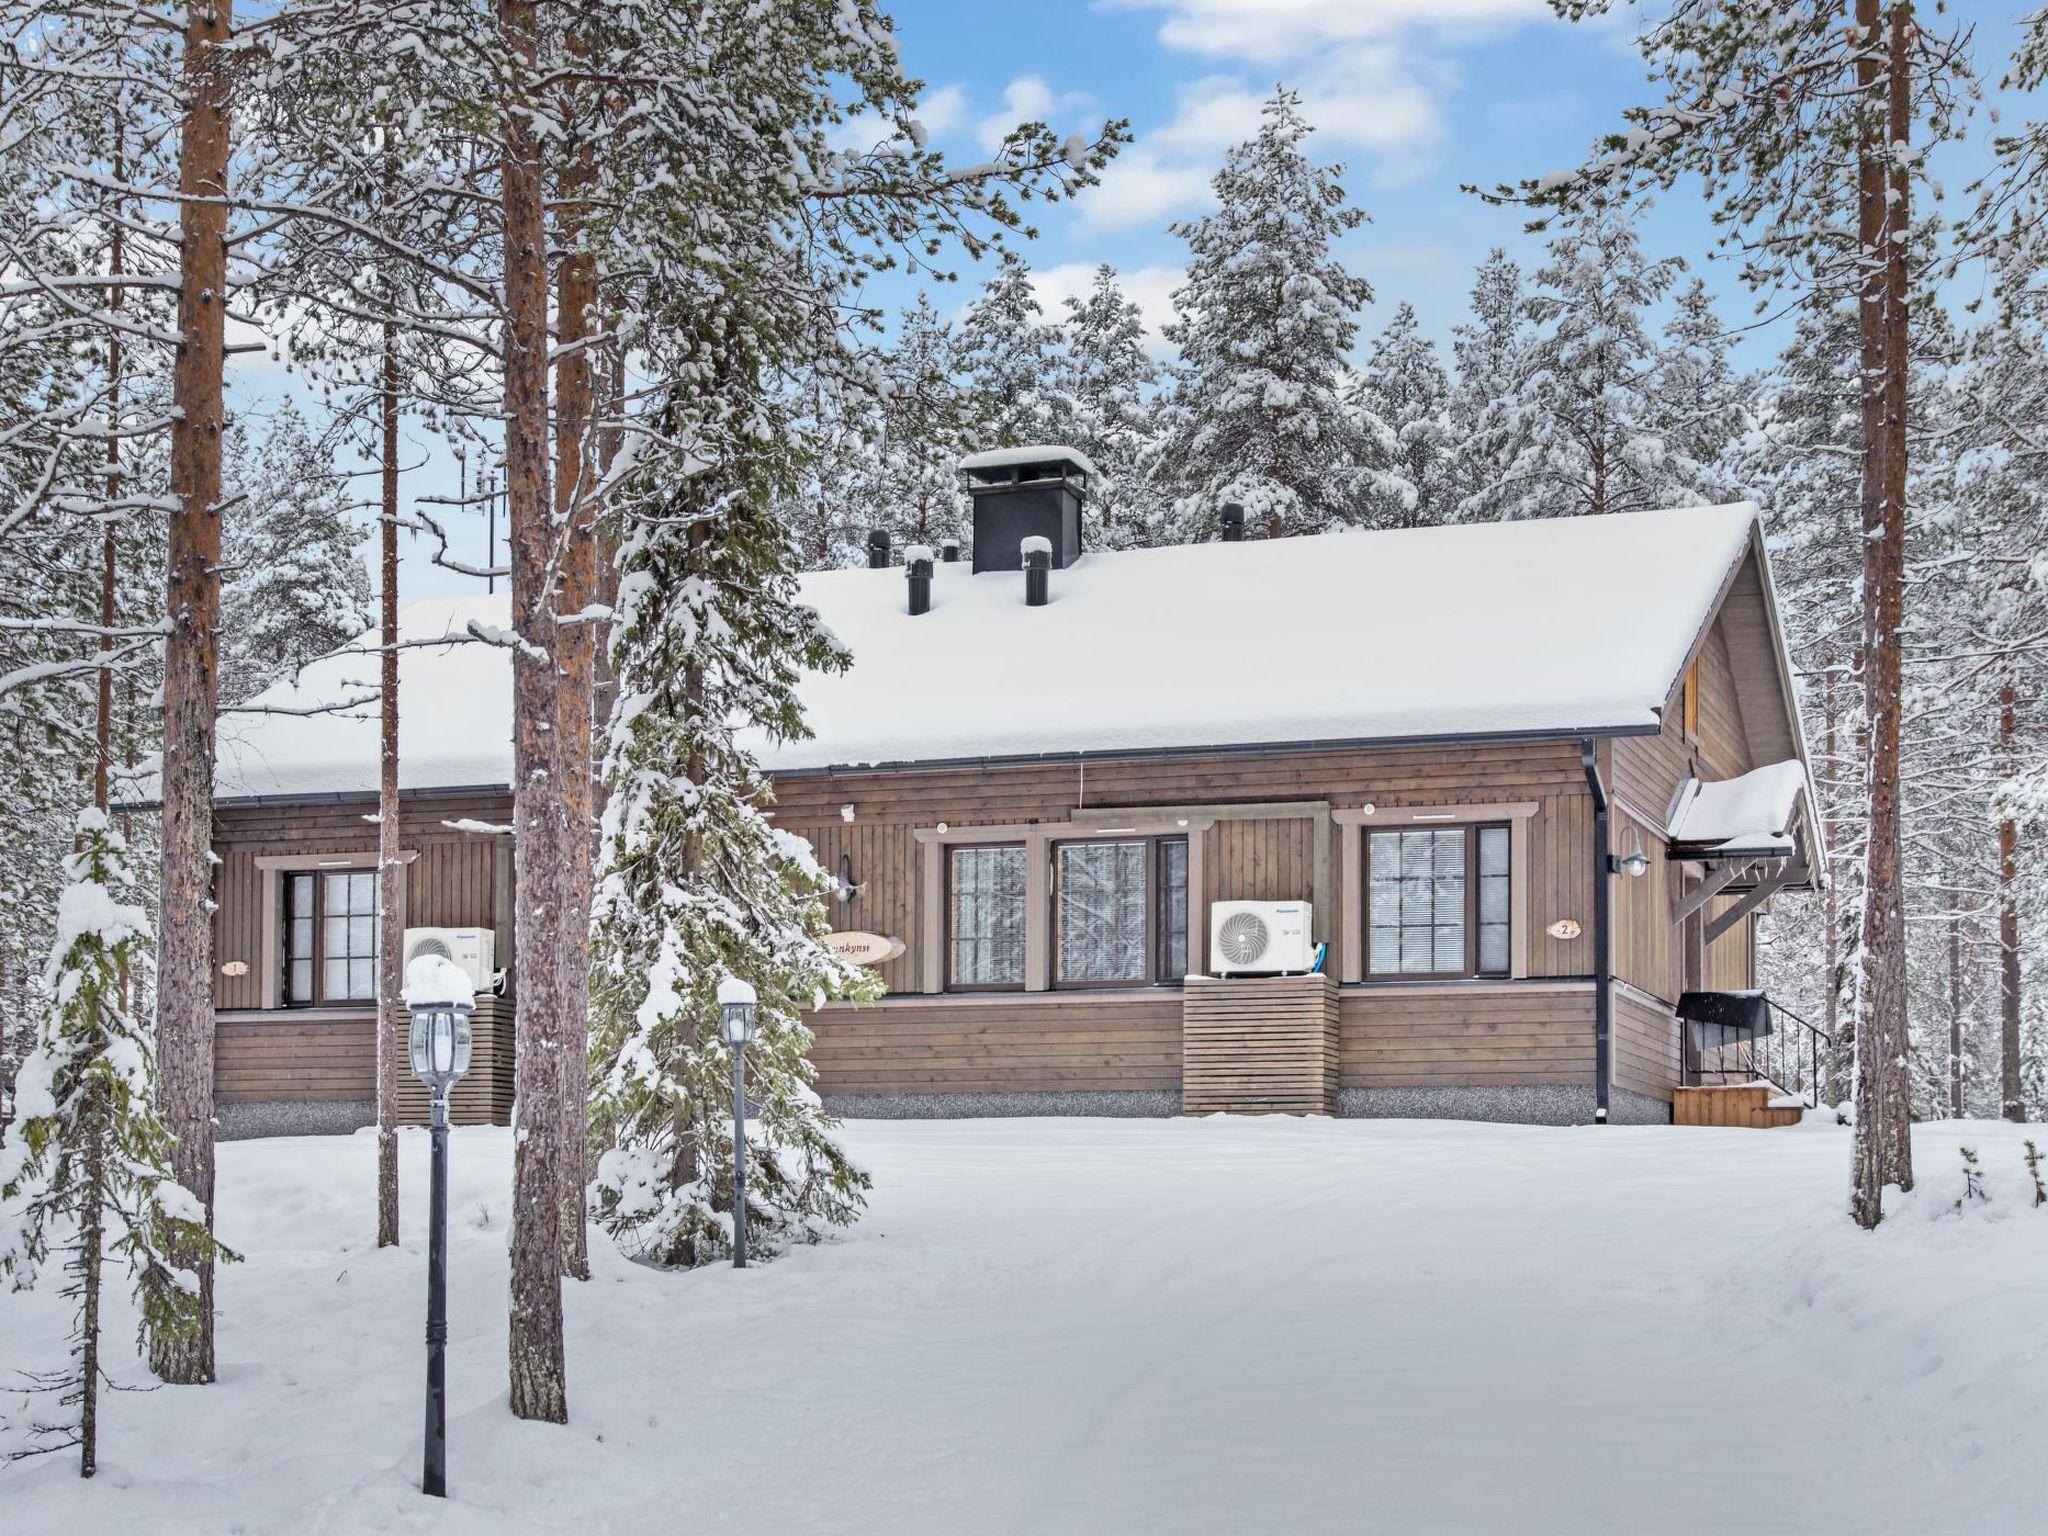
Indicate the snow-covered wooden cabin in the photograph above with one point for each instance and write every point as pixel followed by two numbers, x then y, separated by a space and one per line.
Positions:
pixel 1438 748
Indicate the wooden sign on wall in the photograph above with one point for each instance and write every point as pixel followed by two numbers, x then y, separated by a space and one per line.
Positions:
pixel 864 948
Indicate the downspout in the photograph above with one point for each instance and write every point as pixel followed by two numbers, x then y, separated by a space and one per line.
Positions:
pixel 1603 969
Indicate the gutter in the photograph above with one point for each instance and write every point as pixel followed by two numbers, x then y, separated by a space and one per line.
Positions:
pixel 1603 957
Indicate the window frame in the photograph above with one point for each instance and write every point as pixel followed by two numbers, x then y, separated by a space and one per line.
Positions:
pixel 1470 970
pixel 317 879
pixel 1155 930
pixel 950 955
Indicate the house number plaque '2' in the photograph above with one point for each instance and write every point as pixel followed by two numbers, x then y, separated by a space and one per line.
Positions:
pixel 1564 928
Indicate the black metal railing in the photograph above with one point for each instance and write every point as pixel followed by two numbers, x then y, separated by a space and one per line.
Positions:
pixel 1791 1059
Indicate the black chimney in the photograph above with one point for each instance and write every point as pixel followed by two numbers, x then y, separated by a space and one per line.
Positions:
pixel 949 551
pixel 878 549
pixel 1037 552
pixel 917 565
pixel 1022 493
pixel 1233 522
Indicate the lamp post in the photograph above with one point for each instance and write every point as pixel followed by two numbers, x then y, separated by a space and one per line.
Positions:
pixel 439 995
pixel 736 1004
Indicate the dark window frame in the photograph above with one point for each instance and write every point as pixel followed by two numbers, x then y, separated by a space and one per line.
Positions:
pixel 1470 971
pixel 1155 930
pixel 950 952
pixel 317 959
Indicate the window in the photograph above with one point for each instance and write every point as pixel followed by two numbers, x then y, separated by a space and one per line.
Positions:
pixel 985 910
pixel 1120 911
pixel 1437 902
pixel 330 936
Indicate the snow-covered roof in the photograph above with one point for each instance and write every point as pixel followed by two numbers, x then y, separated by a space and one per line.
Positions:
pixel 1561 626
pixel 1751 813
pixel 1032 453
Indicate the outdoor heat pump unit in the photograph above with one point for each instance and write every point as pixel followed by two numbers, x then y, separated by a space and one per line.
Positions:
pixel 1261 938
pixel 474 949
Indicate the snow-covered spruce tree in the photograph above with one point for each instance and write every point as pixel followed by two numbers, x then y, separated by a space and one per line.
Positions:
pixel 1404 399
pixel 296 586
pixel 87 1173
pixel 1701 399
pixel 930 414
pixel 1491 350
pixel 1015 371
pixel 699 885
pixel 1266 319
pixel 1588 399
pixel 1108 378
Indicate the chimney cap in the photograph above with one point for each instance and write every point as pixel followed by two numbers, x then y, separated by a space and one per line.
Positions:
pixel 1048 454
pixel 913 553
pixel 1035 544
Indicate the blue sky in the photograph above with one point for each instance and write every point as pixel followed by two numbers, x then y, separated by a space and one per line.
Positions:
pixel 1416 96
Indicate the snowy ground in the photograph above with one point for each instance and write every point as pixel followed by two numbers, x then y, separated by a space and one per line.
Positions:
pixel 1135 1326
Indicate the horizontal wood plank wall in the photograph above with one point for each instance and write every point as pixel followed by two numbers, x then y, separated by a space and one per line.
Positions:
pixel 1078 1042
pixel 1262 1047
pixel 1495 1035
pixel 450 883
pixel 1643 935
pixel 1274 857
pixel 296 1057
pixel 1645 1045
pixel 302 1056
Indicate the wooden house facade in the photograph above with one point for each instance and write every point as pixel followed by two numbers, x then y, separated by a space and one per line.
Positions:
pixel 1511 915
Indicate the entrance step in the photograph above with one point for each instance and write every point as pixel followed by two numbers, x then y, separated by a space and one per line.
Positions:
pixel 1263 1045
pixel 1745 1106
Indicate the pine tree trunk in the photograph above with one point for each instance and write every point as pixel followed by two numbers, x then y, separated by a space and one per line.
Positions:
pixel 1883 1148
pixel 538 1373
pixel 2011 1093
pixel 191 682
pixel 390 913
pixel 91 1263
pixel 1955 1015
pixel 1831 917
pixel 575 659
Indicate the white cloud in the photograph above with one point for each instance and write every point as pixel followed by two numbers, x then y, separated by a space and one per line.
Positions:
pixel 941 111
pixel 1028 99
pixel 1143 187
pixel 1282 31
pixel 1151 288
pixel 1372 75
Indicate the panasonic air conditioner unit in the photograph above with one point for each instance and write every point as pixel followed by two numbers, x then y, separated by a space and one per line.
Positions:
pixel 1261 938
pixel 474 949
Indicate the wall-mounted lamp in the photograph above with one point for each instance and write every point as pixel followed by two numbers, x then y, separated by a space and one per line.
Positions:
pixel 848 886
pixel 1635 863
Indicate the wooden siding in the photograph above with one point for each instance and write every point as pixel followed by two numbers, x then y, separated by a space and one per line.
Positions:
pixel 1259 1047
pixel 1256 859
pixel 1730 959
pixel 1645 944
pixel 1266 860
pixel 1464 1035
pixel 455 880
pixel 1645 1035
pixel 1051 1042
pixel 301 1056
pixel 890 898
